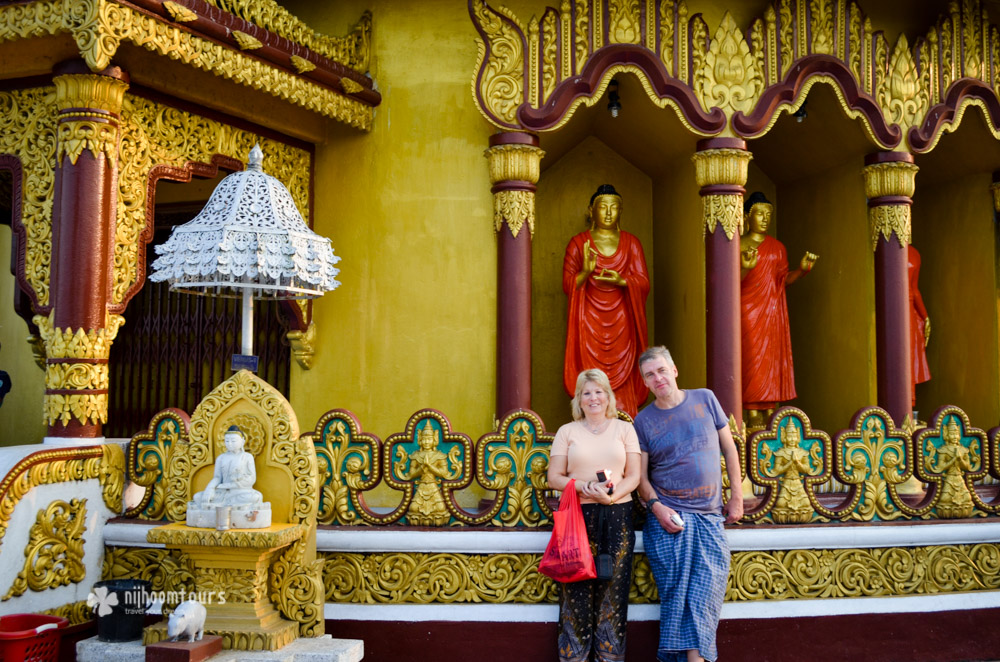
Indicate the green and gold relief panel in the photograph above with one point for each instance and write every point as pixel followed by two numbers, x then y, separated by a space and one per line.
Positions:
pixel 870 472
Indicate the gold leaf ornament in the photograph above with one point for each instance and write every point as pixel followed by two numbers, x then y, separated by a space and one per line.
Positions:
pixel 729 77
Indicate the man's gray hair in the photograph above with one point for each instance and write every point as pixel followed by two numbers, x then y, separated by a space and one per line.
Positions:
pixel 659 351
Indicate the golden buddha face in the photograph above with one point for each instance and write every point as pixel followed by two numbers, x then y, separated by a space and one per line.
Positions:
pixel 791 437
pixel 759 217
pixel 605 212
pixel 427 438
pixel 952 435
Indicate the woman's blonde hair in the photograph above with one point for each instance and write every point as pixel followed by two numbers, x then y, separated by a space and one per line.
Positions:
pixel 599 378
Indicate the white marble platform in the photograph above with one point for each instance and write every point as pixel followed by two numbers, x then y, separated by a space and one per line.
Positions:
pixel 320 649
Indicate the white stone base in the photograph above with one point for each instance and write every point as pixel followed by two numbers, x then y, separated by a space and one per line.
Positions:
pixel 320 649
pixel 240 517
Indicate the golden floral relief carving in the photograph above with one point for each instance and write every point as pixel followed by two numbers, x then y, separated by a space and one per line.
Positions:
pixel 148 456
pixel 167 571
pixel 624 26
pixel 515 208
pixel 501 86
pixel 581 33
pixel 875 460
pixel 28 131
pixel 514 461
pixel 302 65
pixel 351 50
pixel 549 73
pixel 54 555
pixel 821 26
pixel 667 35
pixel 179 12
pixel 729 77
pixel 76 376
pixel 904 100
pixel 98 138
pixel 420 578
pixel 350 86
pixel 303 345
pixel 296 587
pixel 104 463
pixel 76 613
pixel 246 42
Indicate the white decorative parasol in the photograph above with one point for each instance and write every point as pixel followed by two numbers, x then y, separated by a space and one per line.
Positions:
pixel 249 241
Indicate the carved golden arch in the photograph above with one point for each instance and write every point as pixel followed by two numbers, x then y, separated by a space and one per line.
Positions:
pixel 533 77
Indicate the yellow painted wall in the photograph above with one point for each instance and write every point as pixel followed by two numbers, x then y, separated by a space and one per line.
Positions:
pixel 21 414
pixel 679 250
pixel 955 232
pixel 832 309
pixel 408 207
pixel 564 192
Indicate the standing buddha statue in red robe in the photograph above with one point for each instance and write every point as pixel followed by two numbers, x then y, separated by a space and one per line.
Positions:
pixel 920 326
pixel 605 278
pixel 768 375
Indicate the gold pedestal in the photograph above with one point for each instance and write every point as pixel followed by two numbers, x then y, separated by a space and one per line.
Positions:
pixel 231 570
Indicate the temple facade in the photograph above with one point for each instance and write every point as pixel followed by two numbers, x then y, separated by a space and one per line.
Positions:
pixel 449 150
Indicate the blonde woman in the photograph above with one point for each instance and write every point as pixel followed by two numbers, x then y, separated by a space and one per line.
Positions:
pixel 593 613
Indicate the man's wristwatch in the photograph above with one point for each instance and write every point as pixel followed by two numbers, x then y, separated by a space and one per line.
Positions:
pixel 649 504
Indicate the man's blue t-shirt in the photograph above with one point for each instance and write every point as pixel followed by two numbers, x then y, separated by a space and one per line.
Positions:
pixel 683 447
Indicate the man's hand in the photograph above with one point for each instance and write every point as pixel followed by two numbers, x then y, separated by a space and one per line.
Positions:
pixel 733 510
pixel 663 515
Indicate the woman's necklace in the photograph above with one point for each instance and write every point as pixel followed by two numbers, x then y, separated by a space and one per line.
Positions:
pixel 599 428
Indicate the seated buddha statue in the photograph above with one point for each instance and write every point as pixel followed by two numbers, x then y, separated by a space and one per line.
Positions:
pixel 233 478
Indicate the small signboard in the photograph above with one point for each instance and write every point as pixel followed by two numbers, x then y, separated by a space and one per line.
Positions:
pixel 244 362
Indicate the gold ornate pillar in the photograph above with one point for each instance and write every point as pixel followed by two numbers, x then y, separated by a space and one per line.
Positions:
pixel 514 160
pixel 889 185
pixel 78 331
pixel 721 172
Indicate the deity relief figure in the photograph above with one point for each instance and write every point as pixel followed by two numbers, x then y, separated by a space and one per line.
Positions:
pixel 605 278
pixel 233 478
pixel 952 460
pixel 429 465
pixel 920 325
pixel 768 375
pixel 788 464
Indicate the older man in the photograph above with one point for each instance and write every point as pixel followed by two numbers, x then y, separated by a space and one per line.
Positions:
pixel 680 435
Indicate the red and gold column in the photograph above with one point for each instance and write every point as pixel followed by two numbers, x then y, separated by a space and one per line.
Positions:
pixel 78 331
pixel 889 185
pixel 514 160
pixel 721 171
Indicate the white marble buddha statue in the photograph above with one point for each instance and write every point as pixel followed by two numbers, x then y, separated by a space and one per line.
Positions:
pixel 231 486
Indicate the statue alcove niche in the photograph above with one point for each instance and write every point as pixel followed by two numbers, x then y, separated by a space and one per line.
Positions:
pixel 248 566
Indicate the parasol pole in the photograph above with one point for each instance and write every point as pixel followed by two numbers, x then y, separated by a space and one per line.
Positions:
pixel 247 335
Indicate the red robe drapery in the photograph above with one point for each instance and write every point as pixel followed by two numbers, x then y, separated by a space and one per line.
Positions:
pixel 768 376
pixel 918 314
pixel 607 323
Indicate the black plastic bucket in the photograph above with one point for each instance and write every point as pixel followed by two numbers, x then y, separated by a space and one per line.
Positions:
pixel 120 606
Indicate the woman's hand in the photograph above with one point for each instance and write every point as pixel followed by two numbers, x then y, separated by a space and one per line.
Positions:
pixel 597 492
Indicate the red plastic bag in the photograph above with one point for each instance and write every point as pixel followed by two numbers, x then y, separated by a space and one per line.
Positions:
pixel 568 557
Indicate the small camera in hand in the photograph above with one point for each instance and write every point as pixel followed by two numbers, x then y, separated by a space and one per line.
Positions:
pixel 676 519
pixel 604 475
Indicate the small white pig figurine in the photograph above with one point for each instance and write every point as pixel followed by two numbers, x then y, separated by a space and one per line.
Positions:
pixel 187 620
